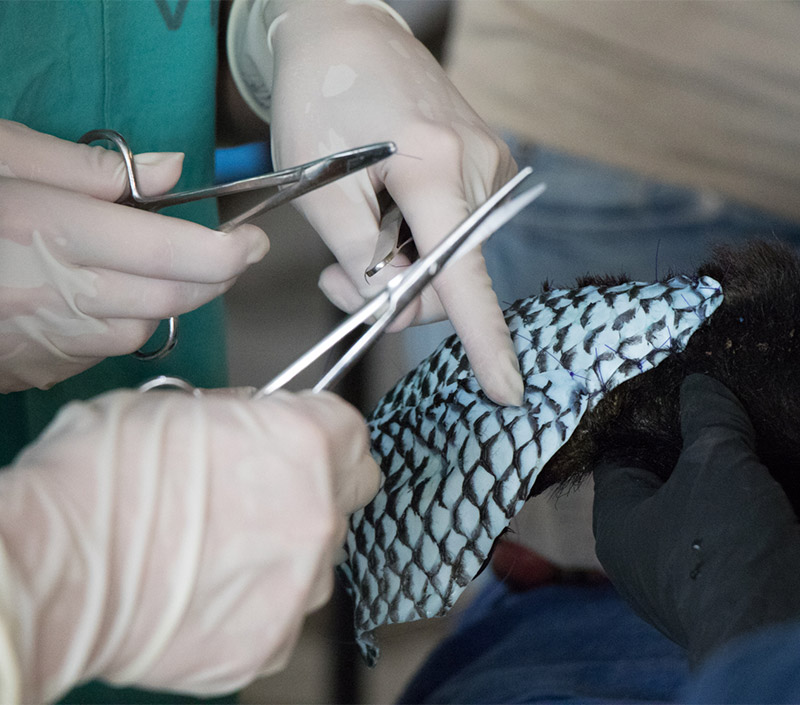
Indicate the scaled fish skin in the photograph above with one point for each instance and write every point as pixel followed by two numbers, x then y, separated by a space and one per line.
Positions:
pixel 458 467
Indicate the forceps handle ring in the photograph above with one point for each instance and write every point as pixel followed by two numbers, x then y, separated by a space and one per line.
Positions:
pixel 166 348
pixel 135 198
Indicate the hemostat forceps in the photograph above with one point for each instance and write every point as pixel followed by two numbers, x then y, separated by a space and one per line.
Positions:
pixel 295 180
pixel 400 291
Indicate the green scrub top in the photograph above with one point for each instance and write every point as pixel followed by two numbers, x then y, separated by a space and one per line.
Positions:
pixel 146 68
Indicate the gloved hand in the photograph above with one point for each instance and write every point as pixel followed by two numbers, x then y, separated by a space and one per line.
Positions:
pixel 713 552
pixel 82 278
pixel 173 542
pixel 347 74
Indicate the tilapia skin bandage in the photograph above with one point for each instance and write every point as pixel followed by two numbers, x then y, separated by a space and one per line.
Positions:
pixel 458 467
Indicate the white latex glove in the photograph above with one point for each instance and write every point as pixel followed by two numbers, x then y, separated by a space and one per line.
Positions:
pixel 344 74
pixel 173 542
pixel 82 278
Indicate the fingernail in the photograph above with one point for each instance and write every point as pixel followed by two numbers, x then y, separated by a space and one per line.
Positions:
pixel 343 297
pixel 158 158
pixel 260 248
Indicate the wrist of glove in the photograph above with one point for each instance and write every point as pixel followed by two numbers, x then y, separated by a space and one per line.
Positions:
pixel 712 553
pixel 172 542
pixel 249 46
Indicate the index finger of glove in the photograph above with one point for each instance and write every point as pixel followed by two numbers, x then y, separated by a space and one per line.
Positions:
pixel 357 477
pixel 434 204
pixel 627 522
pixel 87 232
pixel 719 464
pixel 709 408
pixel 35 156
pixel 618 490
pixel 623 518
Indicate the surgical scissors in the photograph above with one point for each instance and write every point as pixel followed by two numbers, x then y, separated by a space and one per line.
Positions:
pixel 296 181
pixel 398 293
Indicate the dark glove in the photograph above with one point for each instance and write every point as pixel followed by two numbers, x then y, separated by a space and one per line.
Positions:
pixel 713 552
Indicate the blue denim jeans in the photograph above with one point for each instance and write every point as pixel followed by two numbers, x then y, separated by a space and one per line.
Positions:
pixel 599 219
pixel 556 643
pixel 583 644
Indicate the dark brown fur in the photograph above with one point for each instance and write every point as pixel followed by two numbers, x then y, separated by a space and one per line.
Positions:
pixel 751 344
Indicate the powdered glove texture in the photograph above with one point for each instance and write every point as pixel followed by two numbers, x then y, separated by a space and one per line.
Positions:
pixel 173 542
pixel 83 278
pixel 458 467
pixel 348 74
pixel 712 553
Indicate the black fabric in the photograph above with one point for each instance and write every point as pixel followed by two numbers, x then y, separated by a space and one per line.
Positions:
pixel 713 552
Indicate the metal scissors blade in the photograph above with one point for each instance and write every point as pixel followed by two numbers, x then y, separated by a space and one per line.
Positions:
pixel 296 181
pixel 400 291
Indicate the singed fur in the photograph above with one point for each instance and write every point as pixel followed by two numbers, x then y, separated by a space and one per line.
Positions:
pixel 751 344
